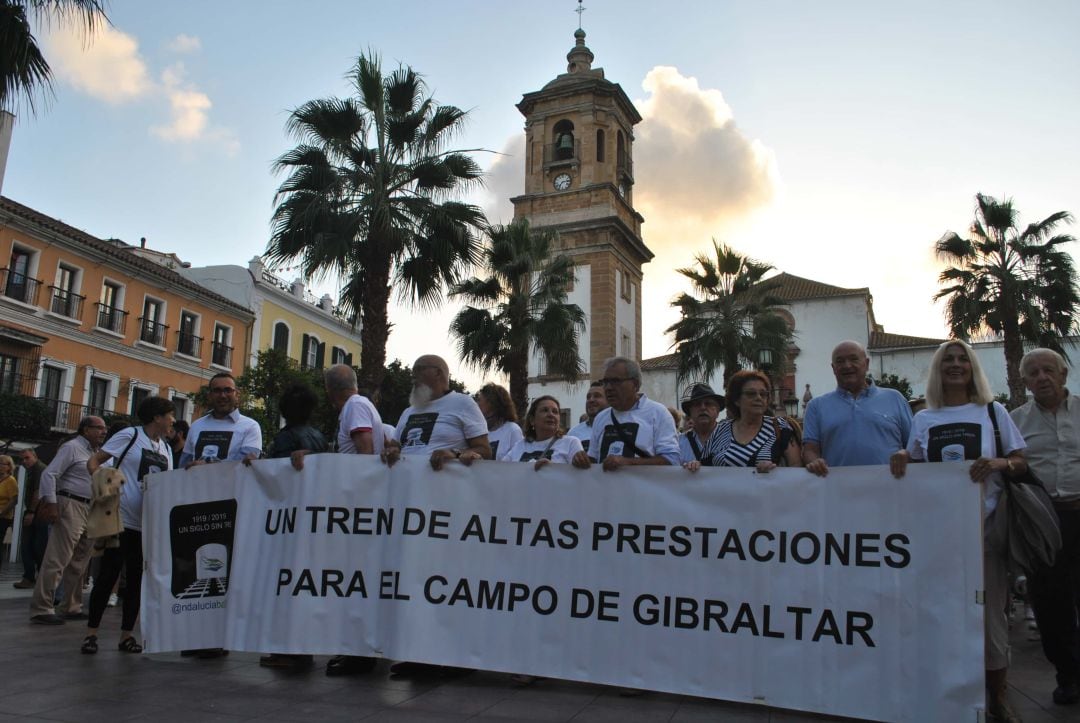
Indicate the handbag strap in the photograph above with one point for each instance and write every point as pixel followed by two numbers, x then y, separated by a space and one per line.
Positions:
pixel 997 432
pixel 127 448
pixel 624 436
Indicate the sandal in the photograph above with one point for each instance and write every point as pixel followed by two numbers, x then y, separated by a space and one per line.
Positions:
pixel 129 645
pixel 89 645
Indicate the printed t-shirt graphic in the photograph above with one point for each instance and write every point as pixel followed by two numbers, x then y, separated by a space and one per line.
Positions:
pixel 144 457
pixel 213 444
pixel 612 442
pixel 953 442
pixel 562 451
pixel 583 431
pixel 418 428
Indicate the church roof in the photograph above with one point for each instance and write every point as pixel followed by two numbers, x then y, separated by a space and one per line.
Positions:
pixel 668 361
pixel 790 287
pixel 885 340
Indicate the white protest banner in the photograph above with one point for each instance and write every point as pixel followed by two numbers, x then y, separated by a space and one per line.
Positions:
pixel 852 595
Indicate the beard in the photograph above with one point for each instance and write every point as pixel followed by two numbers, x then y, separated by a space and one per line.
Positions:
pixel 420 395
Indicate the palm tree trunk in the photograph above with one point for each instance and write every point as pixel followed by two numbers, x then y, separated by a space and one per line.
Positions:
pixel 1014 352
pixel 519 382
pixel 376 326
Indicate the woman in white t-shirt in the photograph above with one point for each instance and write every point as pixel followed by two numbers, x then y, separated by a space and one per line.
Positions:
pixel 956 426
pixel 501 415
pixel 544 441
pixel 137 451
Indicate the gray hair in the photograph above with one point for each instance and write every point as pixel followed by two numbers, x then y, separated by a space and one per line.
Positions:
pixel 633 370
pixel 340 378
pixel 1041 351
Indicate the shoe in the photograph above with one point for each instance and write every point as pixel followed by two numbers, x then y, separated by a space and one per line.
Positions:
pixel 284 661
pixel 631 692
pixel 349 665
pixel 407 669
pixel 130 645
pixel 47 619
pixel 24 584
pixel 211 653
pixel 1067 694
pixel 521 679
pixel 89 585
pixel 76 616
pixel 89 645
pixel 113 600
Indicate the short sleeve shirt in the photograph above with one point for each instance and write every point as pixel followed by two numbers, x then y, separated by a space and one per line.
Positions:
pixel 647 425
pixel 359 415
pixel 858 430
pixel 561 452
pixel 230 438
pixel 504 438
pixel 582 431
pixel 144 457
pixel 444 423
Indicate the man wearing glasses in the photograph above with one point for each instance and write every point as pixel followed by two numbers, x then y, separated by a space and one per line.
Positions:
pixel 633 430
pixel 224 433
pixel 858 423
pixel 65 503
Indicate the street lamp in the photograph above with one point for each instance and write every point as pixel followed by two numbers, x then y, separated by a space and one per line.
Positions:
pixel 791 405
pixel 765 358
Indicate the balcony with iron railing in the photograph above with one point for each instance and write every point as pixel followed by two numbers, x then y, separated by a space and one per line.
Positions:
pixel 66 303
pixel 66 415
pixel 111 319
pixel 188 344
pixel 221 355
pixel 151 332
pixel 19 287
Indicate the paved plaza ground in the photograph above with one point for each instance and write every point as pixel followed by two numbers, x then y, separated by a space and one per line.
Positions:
pixel 45 678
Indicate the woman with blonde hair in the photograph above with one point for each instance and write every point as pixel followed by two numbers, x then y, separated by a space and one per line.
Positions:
pixel 957 426
pixel 9 496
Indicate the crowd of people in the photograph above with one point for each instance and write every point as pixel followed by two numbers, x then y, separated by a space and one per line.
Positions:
pixel 859 423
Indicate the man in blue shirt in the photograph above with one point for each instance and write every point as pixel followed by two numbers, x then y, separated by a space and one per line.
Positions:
pixel 859 423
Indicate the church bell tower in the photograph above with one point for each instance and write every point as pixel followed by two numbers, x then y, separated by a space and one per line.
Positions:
pixel 579 181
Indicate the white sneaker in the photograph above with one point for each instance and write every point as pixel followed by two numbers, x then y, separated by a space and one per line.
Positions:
pixel 113 600
pixel 89 585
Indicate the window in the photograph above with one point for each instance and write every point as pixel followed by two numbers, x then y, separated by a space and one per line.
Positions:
pixel 338 355
pixel 599 147
pixel 565 145
pixel 52 380
pixel 187 342
pixel 138 396
pixel 110 316
pixel 626 287
pixel 312 353
pixel 65 301
pixel 152 329
pixel 625 348
pixel 222 352
pixel 281 337
pixel 181 407
pixel 9 374
pixel 19 285
pixel 99 396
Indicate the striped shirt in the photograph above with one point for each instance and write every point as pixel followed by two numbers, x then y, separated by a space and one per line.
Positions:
pixel 726 451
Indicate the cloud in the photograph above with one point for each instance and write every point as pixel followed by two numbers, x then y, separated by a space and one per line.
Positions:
pixel 109 68
pixel 697 174
pixel 188 107
pixel 184 44
pixel 504 179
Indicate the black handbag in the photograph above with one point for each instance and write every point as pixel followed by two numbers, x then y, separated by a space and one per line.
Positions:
pixel 1024 525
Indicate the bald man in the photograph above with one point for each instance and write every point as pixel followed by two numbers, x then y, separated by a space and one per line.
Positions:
pixel 858 423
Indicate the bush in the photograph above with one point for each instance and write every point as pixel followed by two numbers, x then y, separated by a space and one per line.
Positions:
pixel 24 417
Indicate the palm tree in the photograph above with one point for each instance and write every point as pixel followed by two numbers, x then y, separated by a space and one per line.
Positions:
pixel 1020 284
pixel 24 72
pixel 367 199
pixel 735 321
pixel 521 305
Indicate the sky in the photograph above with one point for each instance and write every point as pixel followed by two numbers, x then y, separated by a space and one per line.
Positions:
pixel 835 140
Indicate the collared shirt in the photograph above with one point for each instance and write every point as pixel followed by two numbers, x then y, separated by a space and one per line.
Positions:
pixel 67 471
pixel 647 425
pixel 1053 440
pixel 686 450
pixel 858 430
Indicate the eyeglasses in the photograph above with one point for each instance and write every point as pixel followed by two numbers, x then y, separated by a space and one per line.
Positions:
pixel 612 381
pixel 751 393
pixel 222 390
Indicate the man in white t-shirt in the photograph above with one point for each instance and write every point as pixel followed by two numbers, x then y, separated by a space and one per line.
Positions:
pixel 633 430
pixel 439 423
pixel 224 433
pixel 442 425
pixel 595 402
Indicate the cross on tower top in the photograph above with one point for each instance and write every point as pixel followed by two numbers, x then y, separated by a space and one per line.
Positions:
pixel 580 9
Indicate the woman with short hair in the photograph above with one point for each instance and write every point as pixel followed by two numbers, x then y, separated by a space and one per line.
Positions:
pixel 752 437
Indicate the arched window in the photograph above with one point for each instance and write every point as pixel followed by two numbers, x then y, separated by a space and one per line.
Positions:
pixel 620 149
pixel 599 145
pixel 564 140
pixel 281 337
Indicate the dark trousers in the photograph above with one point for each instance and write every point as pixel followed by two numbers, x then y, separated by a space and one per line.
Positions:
pixel 35 537
pixel 1055 597
pixel 127 556
pixel 4 525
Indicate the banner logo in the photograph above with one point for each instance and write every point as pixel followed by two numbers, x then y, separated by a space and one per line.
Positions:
pixel 201 540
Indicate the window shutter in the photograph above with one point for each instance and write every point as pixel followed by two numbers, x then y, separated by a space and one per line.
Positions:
pixel 320 355
pixel 348 359
pixel 304 351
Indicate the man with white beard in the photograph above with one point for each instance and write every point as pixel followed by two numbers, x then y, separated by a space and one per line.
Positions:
pixel 445 426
